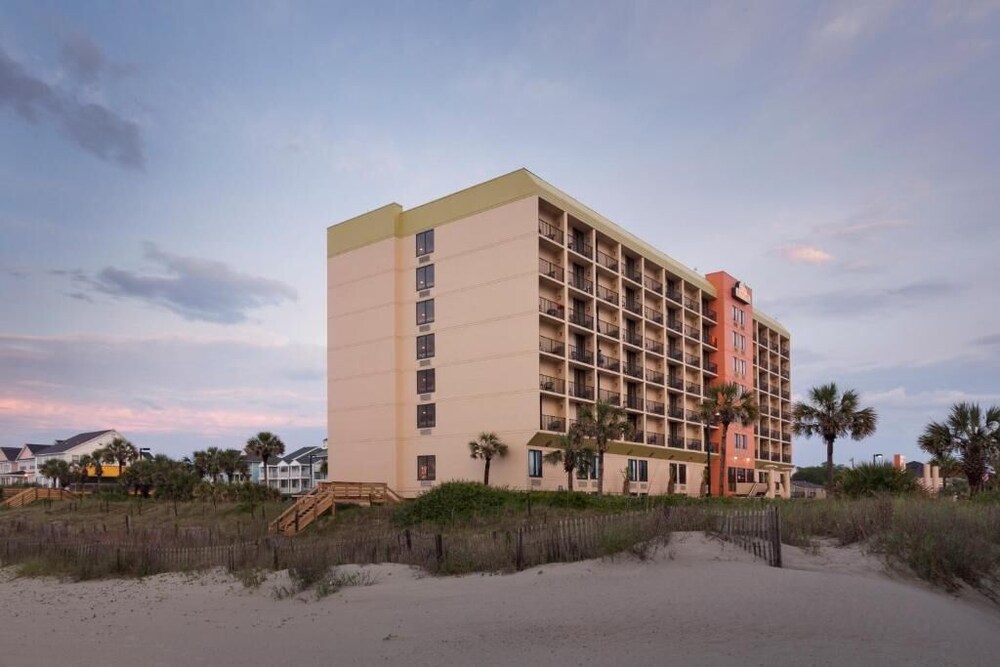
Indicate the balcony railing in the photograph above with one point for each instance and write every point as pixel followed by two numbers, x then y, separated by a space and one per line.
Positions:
pixel 581 319
pixel 549 383
pixel 551 308
pixel 654 315
pixel 711 368
pixel 653 284
pixel 675 325
pixel 692 332
pixel 785 395
pixel 607 261
pixel 553 423
pixel 608 329
pixel 607 396
pixel 654 346
pixel 784 373
pixel 784 350
pixel 583 355
pixel 709 313
pixel 586 392
pixel 694 360
pixel 707 336
pixel 675 441
pixel 550 269
pixel 655 377
pixel 550 232
pixel 633 402
pixel 676 355
pixel 655 407
pixel 551 346
pixel 635 436
pixel 632 273
pixel 633 371
pixel 581 247
pixel 690 304
pixel 675 383
pixel 581 283
pixel 694 444
pixel 632 338
pixel 675 412
pixel 606 294
pixel 608 363
pixel 694 388
pixel 786 458
pixel 673 294
pixel 633 306
pixel 657 439
pixel 692 415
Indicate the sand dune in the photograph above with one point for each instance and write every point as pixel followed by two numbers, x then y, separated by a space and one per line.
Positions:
pixel 697 602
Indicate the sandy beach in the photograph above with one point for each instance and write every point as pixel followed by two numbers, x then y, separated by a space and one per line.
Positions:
pixel 697 602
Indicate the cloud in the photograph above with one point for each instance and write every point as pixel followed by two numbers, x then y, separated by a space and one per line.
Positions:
pixel 90 125
pixel 194 288
pixel 55 385
pixel 991 340
pixel 804 254
pixel 861 228
pixel 82 57
pixel 857 302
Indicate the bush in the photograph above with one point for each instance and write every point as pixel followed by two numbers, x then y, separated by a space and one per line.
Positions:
pixel 870 480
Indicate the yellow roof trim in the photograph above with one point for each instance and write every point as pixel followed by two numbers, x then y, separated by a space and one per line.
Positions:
pixel 771 323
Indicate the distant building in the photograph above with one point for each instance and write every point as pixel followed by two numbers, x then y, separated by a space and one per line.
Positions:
pixel 927 475
pixel 22 467
pixel 802 489
pixel 294 473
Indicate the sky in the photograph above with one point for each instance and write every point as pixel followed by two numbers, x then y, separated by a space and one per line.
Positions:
pixel 168 170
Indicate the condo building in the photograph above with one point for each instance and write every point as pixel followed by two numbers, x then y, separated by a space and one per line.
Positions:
pixel 508 307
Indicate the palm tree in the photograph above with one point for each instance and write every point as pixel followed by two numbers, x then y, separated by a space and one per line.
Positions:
pixel 970 434
pixel 603 423
pixel 832 415
pixel 57 470
pixel 120 451
pixel 97 460
pixel 572 453
pixel 264 445
pixel 81 465
pixel 486 447
pixel 728 403
pixel 708 416
pixel 231 462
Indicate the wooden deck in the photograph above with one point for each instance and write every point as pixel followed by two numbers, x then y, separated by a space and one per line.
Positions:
pixel 30 495
pixel 325 497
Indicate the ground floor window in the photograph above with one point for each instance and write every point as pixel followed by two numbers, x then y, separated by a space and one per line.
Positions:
pixel 590 468
pixel 638 470
pixel 426 468
pixel 679 473
pixel 534 463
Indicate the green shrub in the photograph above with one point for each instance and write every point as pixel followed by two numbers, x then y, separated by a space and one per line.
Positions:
pixel 869 480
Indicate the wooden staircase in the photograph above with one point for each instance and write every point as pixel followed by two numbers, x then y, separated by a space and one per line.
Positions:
pixel 325 497
pixel 32 494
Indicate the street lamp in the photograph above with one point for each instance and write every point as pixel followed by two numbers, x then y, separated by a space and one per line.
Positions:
pixel 311 476
pixel 877 458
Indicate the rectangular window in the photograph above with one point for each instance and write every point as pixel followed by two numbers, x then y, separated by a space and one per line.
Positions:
pixel 739 342
pixel 425 346
pixel 739 317
pixel 591 468
pixel 426 468
pixel 534 463
pixel 679 471
pixel 425 277
pixel 426 416
pixel 425 381
pixel 425 242
pixel 638 470
pixel 741 441
pixel 425 311
pixel 739 366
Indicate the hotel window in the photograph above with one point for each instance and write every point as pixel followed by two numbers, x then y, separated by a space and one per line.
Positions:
pixel 739 317
pixel 591 468
pixel 741 441
pixel 739 366
pixel 425 346
pixel 534 463
pixel 425 242
pixel 425 311
pixel 679 471
pixel 739 342
pixel 425 277
pixel 638 470
pixel 426 416
pixel 426 468
pixel 425 381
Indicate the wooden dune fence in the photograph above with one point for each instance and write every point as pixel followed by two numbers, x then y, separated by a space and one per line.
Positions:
pixel 758 531
pixel 515 548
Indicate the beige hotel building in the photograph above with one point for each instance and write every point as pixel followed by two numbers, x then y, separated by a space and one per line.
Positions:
pixel 507 307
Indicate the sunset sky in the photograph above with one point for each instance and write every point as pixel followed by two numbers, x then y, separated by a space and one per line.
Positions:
pixel 167 172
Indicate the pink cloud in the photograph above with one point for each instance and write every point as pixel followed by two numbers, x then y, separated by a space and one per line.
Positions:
pixel 805 254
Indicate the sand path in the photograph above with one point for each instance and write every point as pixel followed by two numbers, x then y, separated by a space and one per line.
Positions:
pixel 697 603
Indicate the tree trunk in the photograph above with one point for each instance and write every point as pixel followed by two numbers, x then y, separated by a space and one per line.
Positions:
pixel 829 464
pixel 486 473
pixel 600 476
pixel 264 461
pixel 569 479
pixel 723 478
pixel 708 463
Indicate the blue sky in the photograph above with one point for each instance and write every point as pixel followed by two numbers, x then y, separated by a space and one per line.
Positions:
pixel 167 173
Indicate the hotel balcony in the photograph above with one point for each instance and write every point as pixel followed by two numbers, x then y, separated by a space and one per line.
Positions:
pixel 551 384
pixel 550 269
pixel 581 319
pixel 675 412
pixel 654 346
pixel 582 355
pixel 605 294
pixel 580 247
pixel 675 325
pixel 675 354
pixel 553 423
pixel 653 284
pixel 691 304
pixel 709 314
pixel 633 371
pixel 633 306
pixel 632 273
pixel 654 315
pixel 608 329
pixel 608 396
pixel 607 363
pixel 675 441
pixel 711 368
pixel 581 283
pixel 656 377
pixel 655 407
pixel 693 444
pixel 550 232
pixel 551 346
pixel 551 308
pixel 633 402
pixel 635 436
pixel 582 391
pixel 675 383
pixel 657 439
pixel 674 295
pixel 632 338
pixel 607 261
pixel 694 360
